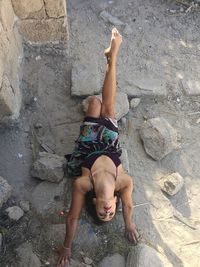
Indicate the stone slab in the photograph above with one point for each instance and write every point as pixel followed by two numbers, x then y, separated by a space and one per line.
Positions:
pixel 142 85
pixel 29 8
pixel 48 167
pixel 55 9
pixel 7 16
pixel 44 31
pixel 115 260
pixel 5 191
pixel 85 78
pixel 191 87
pixel 27 257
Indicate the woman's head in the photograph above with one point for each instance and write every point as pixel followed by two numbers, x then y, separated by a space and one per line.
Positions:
pixel 105 208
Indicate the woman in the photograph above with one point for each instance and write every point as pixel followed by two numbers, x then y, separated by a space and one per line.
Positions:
pixel 97 151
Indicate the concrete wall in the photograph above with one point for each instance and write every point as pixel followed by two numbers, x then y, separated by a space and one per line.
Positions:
pixel 34 21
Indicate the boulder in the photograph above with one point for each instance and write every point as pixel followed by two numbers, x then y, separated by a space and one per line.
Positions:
pixel 115 260
pixel 121 105
pixel 171 183
pixel 5 191
pixel 85 78
pixel 145 256
pixel 25 205
pixel 27 257
pixel 15 213
pixel 159 138
pixel 48 167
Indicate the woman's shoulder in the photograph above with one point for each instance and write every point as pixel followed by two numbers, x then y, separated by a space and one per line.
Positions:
pixel 123 180
pixel 82 183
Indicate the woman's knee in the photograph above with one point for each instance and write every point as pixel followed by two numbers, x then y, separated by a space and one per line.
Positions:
pixel 94 107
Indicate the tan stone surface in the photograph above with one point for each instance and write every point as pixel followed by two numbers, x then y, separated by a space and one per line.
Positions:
pixel 45 31
pixel 7 15
pixel 55 9
pixel 6 98
pixel 29 8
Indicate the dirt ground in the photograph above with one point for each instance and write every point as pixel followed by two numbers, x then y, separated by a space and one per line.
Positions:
pixel 162 43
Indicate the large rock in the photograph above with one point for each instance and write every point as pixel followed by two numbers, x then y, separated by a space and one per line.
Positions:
pixel 55 9
pixel 121 105
pixel 159 138
pixel 15 213
pixel 85 78
pixel 145 256
pixel 116 260
pixel 44 31
pixel 27 257
pixel 7 16
pixel 5 191
pixel 29 8
pixel 171 183
pixel 43 198
pixel 48 167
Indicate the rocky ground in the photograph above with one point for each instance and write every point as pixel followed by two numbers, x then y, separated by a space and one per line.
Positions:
pixel 159 68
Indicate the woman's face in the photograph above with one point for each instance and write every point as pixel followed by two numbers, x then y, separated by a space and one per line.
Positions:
pixel 105 209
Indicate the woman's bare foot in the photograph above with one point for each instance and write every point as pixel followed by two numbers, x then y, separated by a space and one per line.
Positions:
pixel 115 42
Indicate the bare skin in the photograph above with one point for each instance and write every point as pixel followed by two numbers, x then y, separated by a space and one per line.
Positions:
pixel 103 169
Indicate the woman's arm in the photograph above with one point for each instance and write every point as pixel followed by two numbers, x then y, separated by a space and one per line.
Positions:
pixel 77 202
pixel 127 205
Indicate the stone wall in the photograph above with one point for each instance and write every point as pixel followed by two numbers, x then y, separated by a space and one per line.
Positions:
pixel 10 58
pixel 35 21
pixel 42 21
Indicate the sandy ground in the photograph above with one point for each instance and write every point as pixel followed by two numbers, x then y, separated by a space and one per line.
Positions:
pixel 160 45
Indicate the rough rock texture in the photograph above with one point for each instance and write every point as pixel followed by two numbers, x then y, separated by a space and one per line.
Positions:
pixel 5 191
pixel 145 256
pixel 191 87
pixel 29 8
pixel 48 167
pixel 15 213
pixel 55 9
pixel 43 198
pixel 159 138
pixel 124 159
pixel 1 241
pixel 116 260
pixel 25 205
pixel 135 102
pixel 7 16
pixel 121 105
pixel 7 99
pixel 27 257
pixel 44 31
pixel 85 78
pixel 171 183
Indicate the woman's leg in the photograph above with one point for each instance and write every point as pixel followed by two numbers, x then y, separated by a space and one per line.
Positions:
pixel 109 86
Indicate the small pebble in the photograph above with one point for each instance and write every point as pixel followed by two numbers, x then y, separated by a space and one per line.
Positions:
pixel 88 260
pixel 38 125
pixel 35 99
pixel 38 58
pixel 198 121
pixel 24 205
pixel 135 102
pixel 15 213
pixel 19 156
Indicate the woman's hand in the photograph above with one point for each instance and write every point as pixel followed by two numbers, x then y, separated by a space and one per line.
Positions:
pixel 64 256
pixel 132 234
